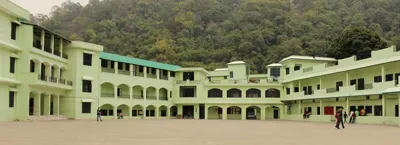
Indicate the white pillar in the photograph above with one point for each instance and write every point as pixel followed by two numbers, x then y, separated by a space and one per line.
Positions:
pixel 348 105
pixel 144 93
pixel 52 43
pixel 263 113
pixel 145 71
pixel 243 109
pixel 130 69
pixel 320 107
pixel 115 113
pixel 57 105
pixel 383 105
pixel 37 107
pixel 320 82
pixel 116 67
pixel 158 73
pixel 224 113
pixel 157 112
pixel 157 94
pixel 46 103
pixel 115 91
pixel 300 107
pixel 243 93
pixel 130 92
pixel 169 74
pixel 42 39
pixel 383 73
pixel 144 112
pixel 61 47
pixel 347 79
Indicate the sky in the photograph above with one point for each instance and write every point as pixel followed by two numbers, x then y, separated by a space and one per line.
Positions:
pixel 43 6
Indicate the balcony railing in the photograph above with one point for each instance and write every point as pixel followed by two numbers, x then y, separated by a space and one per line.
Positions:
pixel 164 77
pixel 107 70
pixel 107 95
pixel 54 80
pixel 124 96
pixel 331 90
pixel 137 97
pixel 188 82
pixel 365 87
pixel 151 76
pixel 138 74
pixel 163 98
pixel 124 72
pixel 151 97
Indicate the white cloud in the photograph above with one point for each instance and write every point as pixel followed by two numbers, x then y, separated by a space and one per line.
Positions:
pixel 42 6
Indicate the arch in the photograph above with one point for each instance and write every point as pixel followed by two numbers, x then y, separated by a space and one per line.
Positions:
pixel 272 93
pixel 107 110
pixel 234 113
pixel 234 93
pixel 151 93
pixel 137 92
pixel 150 111
pixel 163 94
pixel 163 111
pixel 107 90
pixel 123 91
pixel 34 65
pixel 272 112
pixel 173 111
pixel 253 93
pixel 214 112
pixel 123 109
pixel 137 111
pixel 253 113
pixel 34 103
pixel 215 93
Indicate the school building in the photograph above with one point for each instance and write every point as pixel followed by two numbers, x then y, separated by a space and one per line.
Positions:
pixel 47 76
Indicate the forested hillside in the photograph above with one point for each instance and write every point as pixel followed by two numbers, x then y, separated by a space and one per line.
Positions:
pixel 210 33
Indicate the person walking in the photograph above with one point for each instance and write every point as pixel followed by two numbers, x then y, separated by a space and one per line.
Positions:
pixel 339 118
pixel 99 115
pixel 345 117
pixel 351 116
pixel 356 114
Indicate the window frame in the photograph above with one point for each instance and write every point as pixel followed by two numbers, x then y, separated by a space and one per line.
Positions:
pixel 13 61
pixel 86 110
pixel 89 82
pixel 87 61
pixel 14 27
pixel 11 99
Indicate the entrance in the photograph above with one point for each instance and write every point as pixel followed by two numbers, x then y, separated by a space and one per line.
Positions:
pixel 360 84
pixel 276 113
pixel 328 110
pixel 188 112
pixel 251 114
pixel 396 110
pixel 31 106
pixel 202 113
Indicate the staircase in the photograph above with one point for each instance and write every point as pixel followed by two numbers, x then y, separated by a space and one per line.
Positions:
pixel 47 118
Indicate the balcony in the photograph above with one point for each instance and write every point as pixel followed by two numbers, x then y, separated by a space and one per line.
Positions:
pixel 151 97
pixel 124 96
pixel 164 77
pixel 107 70
pixel 163 98
pixel 107 95
pixel 188 82
pixel 138 97
pixel 138 74
pixel 54 80
pixel 332 90
pixel 124 72
pixel 364 87
pixel 153 76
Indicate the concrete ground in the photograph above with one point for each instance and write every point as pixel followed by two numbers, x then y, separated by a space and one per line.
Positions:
pixel 193 132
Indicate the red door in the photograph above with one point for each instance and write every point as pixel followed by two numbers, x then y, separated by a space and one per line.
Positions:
pixel 328 110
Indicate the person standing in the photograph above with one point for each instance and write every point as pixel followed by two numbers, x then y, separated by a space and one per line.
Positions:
pixel 345 117
pixel 351 116
pixel 99 115
pixel 339 118
pixel 356 114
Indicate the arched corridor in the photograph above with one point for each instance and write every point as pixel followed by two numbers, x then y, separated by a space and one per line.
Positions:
pixel 137 111
pixel 214 112
pixel 234 113
pixel 163 94
pixel 234 93
pixel 138 92
pixel 253 113
pixel 272 112
pixel 253 93
pixel 107 90
pixel 107 110
pixel 173 111
pixel 151 93
pixel 151 111
pixel 214 93
pixel 163 111
pixel 123 91
pixel 124 109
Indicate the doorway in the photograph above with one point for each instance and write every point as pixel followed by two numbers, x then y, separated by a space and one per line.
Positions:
pixel 396 110
pixel 250 114
pixel 276 113
pixel 31 106
pixel 188 112
pixel 328 110
pixel 360 84
pixel 202 111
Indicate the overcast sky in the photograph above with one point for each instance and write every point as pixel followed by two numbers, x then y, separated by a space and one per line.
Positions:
pixel 42 6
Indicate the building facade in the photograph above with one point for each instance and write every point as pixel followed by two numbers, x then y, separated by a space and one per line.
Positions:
pixel 45 75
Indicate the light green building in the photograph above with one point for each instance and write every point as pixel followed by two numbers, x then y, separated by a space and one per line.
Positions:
pixel 47 76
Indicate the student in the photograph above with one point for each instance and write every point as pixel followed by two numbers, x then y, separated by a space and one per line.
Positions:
pixel 339 119
pixel 351 117
pixel 356 114
pixel 99 115
pixel 345 117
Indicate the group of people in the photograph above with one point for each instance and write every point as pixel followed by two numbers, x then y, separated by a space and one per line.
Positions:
pixel 340 117
pixel 120 115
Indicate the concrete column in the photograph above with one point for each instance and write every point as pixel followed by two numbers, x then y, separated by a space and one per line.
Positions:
pixel 115 91
pixel 61 46
pixel 145 71
pixel 263 113
pixel 56 105
pixel 156 113
pixel 48 71
pixel 180 109
pixel 347 79
pixel 130 112
pixel 300 89
pixel 168 112
pixel 206 112
pixel 42 39
pixel 115 113
pixel 130 92
pixel 224 113
pixel 347 105
pixel 46 103
pixel 57 74
pixel 224 93
pixel 144 112
pixel 158 73
pixel 38 67
pixel 169 74
pixel 116 67
pixel 157 94
pixel 196 111
pixel 383 73
pixel 131 70
pixel 243 93
pixel 320 107
pixel 300 108
pixel 52 43
pixel 36 109
pixel 320 82
pixel 243 109
pixel 383 105
pixel 144 93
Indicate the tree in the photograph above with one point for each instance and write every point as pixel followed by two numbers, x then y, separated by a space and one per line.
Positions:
pixel 355 41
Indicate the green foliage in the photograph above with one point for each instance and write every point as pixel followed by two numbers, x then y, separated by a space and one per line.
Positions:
pixel 210 33
pixel 356 41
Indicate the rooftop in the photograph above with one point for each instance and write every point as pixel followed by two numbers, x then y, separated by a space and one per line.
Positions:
pixel 142 62
pixel 237 62
pixel 308 58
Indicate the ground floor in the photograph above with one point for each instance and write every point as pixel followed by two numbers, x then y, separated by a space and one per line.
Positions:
pixel 195 132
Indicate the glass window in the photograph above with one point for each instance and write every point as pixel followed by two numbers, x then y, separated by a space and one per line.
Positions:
pixel 377 79
pixel 12 64
pixel 11 99
pixel 87 59
pixel 86 86
pixel 86 107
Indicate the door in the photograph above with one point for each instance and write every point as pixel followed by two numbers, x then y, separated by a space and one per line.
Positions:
pixel 328 110
pixel 396 110
pixel 339 84
pixel 276 114
pixel 250 114
pixel 188 112
pixel 396 77
pixel 360 84
pixel 31 106
pixel 202 115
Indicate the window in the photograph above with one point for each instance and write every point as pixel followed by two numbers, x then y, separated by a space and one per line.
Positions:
pixel 118 91
pixel 172 74
pixel 338 85
pixel 287 91
pixel 127 65
pixel 287 71
pixel 12 64
pixel 87 59
pixel 377 110
pixel 368 109
pixel 153 70
pixel 188 76
pixel 353 82
pixel 318 87
pixel 14 31
pixel 112 64
pixel 163 113
pixel 272 93
pixel 389 77
pixel 103 112
pixel 32 66
pixel 377 79
pixel 141 69
pixel 297 67
pixel 11 99
pixel 225 77
pixel 86 86
pixel 188 91
pixel 120 65
pixel 231 74
pixel 337 99
pixel 275 72
pixel 318 110
pixel 104 63
pixel 296 89
pixel 86 107
pixel 366 97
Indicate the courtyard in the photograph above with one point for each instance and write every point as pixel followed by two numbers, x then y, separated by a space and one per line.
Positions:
pixel 192 132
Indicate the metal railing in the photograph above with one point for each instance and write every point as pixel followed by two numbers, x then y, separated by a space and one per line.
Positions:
pixel 107 70
pixel 164 77
pixel 331 90
pixel 69 83
pixel 151 76
pixel 365 87
pixel 124 72
pixel 57 53
pixel 107 95
pixel 124 96
pixel 151 97
pixel 163 98
pixel 137 97
pixel 138 74
pixel 54 80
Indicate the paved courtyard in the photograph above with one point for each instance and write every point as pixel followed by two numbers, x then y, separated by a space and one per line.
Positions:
pixel 193 132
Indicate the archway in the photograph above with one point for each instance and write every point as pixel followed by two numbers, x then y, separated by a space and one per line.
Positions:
pixel 272 93
pixel 234 113
pixel 173 111
pixel 137 111
pixel 107 90
pixel 253 93
pixel 123 91
pixel 163 111
pixel 215 93
pixel 34 103
pixel 253 113
pixel 107 110
pixel 234 93
pixel 124 109
pixel 272 112
pixel 151 111
pixel 163 94
pixel 214 112
pixel 151 93
pixel 137 92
